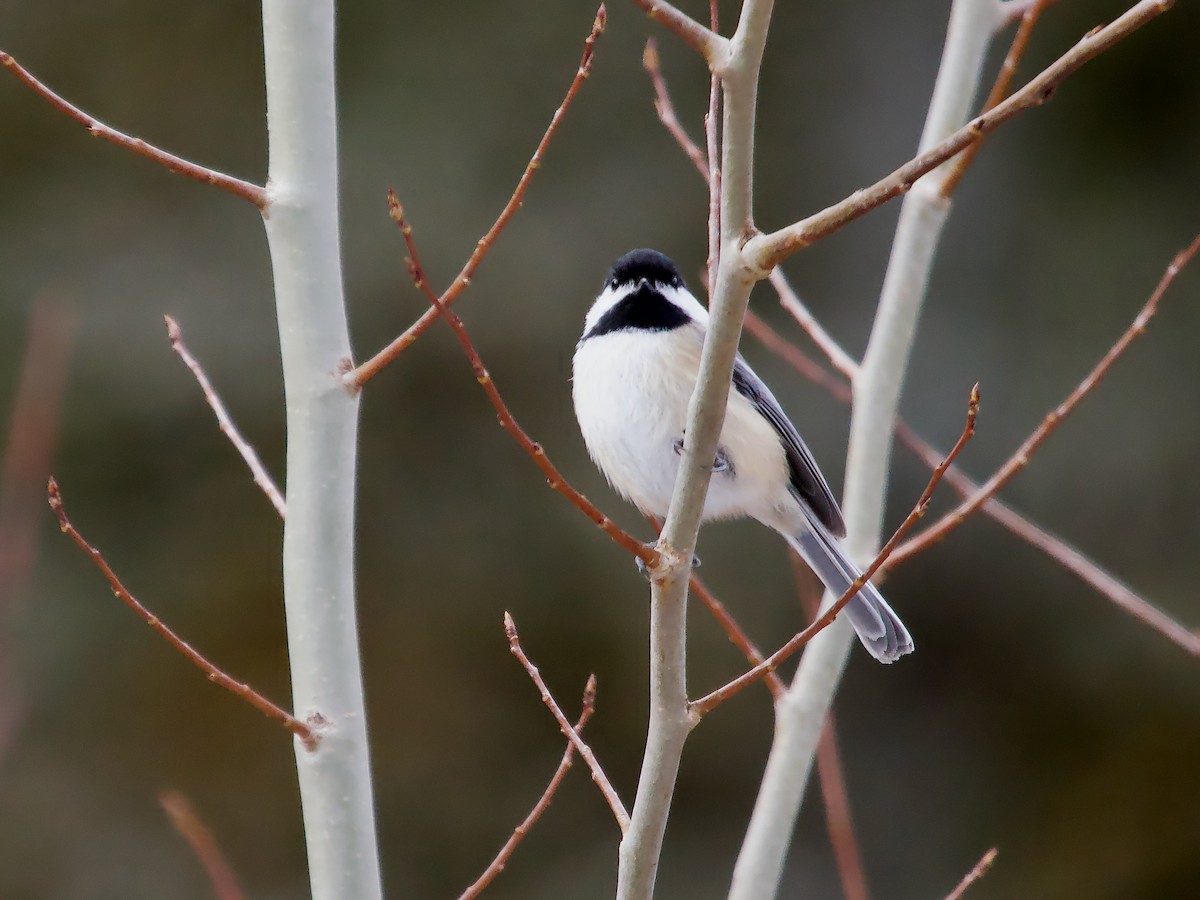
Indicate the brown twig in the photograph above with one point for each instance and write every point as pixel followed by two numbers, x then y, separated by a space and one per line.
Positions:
pixel 497 865
pixel 833 351
pixel 359 376
pixel 649 555
pixel 169 161
pixel 737 636
pixel 666 109
pixel 1008 69
pixel 257 470
pixel 301 730
pixel 713 175
pixel 1055 547
pixel 1053 419
pixel 974 875
pixel 838 820
pixel 33 428
pixel 185 821
pixel 598 776
pixel 707 703
pixel 762 252
pixel 704 41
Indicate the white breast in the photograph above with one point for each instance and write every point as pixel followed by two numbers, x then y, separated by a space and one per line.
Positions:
pixel 631 392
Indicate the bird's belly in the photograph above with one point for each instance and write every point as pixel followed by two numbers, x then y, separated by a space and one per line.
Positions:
pixel 633 416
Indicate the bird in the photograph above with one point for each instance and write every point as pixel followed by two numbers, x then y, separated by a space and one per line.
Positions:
pixel 633 374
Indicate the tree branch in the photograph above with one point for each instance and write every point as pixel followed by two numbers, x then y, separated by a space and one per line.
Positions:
pixel 598 776
pixel 185 821
pixel 1053 546
pixel 765 251
pixel 649 555
pixel 670 718
pixel 708 44
pixel 981 869
pixel 1008 69
pixel 709 702
pixel 169 161
pixel 307 734
pixel 302 228
pixel 497 865
pixel 1053 419
pixel 359 376
pixel 257 470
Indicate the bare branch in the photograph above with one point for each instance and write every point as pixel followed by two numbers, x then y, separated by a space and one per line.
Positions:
pixel 1053 419
pixel 359 376
pixel 838 821
pixel 666 109
pixel 710 701
pixel 33 428
pixel 598 776
pixel 169 161
pixel 736 635
pixel 497 865
pixel 765 251
pixel 981 869
pixel 708 44
pixel 185 820
pixel 670 719
pixel 1053 546
pixel 257 470
pixel 713 173
pixel 649 555
pixel 838 358
pixel 1004 79
pixel 307 735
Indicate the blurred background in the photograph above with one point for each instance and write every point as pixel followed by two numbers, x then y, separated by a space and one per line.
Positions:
pixel 1036 717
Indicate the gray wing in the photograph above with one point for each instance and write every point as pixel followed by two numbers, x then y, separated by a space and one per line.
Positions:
pixel 807 482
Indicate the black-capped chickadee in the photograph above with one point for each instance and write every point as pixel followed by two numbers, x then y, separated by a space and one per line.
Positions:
pixel 634 372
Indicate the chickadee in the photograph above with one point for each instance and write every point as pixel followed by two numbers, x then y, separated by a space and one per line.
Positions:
pixel 634 372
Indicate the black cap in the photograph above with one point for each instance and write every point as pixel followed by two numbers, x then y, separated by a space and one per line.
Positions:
pixel 651 265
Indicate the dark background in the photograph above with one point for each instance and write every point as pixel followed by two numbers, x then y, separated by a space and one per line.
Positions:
pixel 1035 717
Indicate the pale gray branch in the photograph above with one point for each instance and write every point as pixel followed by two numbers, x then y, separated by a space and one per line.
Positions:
pixel 322 418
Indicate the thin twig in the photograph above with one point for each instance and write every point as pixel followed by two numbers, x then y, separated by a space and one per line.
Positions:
pixel 359 376
pixel 649 555
pixel 974 875
pixel 1053 546
pixel 704 41
pixel 737 636
pixel 838 820
pixel 34 424
pixel 169 161
pixel 707 703
pixel 497 865
pixel 763 252
pixel 999 89
pixel 1054 418
pixel 666 109
pixel 788 299
pixel 257 470
pixel 598 776
pixel 185 820
pixel 306 734
pixel 798 359
pixel 713 175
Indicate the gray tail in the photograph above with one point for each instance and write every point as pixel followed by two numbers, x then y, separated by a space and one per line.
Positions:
pixel 879 629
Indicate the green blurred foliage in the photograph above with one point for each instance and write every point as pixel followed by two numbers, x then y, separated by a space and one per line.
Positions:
pixel 1035 716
